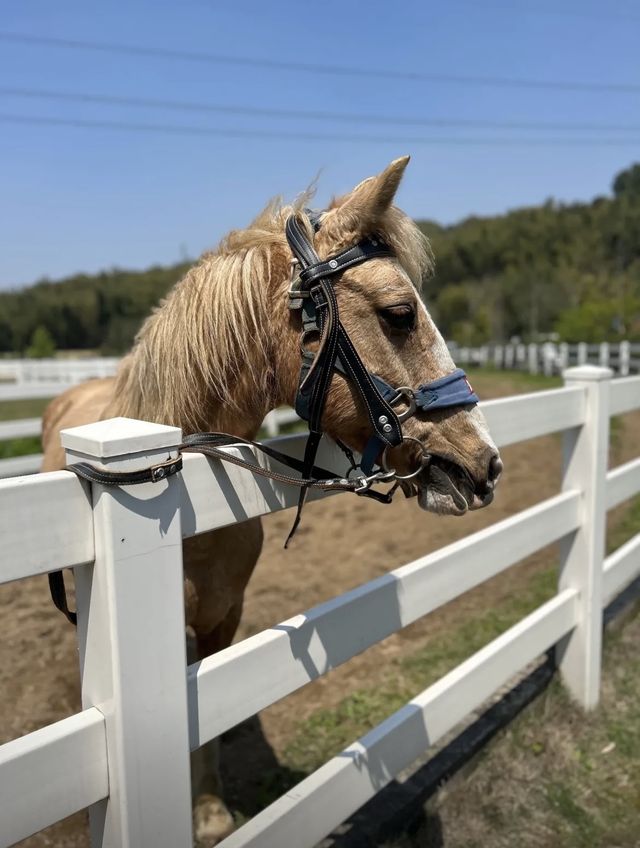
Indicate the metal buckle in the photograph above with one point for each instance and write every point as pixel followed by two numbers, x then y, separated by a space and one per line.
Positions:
pixel 424 460
pixel 409 395
pixel 164 469
pixel 365 482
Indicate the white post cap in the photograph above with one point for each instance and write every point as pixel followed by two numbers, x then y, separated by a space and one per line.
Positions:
pixel 592 373
pixel 118 436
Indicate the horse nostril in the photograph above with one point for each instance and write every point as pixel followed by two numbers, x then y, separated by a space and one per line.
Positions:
pixel 495 467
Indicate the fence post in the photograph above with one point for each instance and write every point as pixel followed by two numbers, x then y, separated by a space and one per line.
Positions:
pixel 271 425
pixel 604 354
pixel 583 353
pixel 563 356
pixel 585 451
pixel 509 356
pixel 533 359
pixel 131 636
pixel 548 358
pixel 625 358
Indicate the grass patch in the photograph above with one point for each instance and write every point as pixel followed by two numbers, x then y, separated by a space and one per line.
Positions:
pixel 20 447
pixel 11 410
pixel 523 379
pixel 626 527
pixel 327 732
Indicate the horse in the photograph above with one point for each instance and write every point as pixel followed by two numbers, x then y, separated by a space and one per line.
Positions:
pixel 223 349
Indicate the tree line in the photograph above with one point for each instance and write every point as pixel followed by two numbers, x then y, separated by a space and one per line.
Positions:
pixel 572 270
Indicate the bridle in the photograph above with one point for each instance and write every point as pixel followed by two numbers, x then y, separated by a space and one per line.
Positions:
pixel 312 293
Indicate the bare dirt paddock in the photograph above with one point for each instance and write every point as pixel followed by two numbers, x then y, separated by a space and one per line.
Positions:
pixel 343 541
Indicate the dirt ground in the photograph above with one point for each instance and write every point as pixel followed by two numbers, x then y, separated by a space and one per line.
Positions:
pixel 343 541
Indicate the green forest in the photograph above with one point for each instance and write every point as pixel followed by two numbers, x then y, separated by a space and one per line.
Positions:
pixel 567 269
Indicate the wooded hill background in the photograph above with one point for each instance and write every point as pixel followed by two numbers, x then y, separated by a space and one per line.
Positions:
pixel 569 269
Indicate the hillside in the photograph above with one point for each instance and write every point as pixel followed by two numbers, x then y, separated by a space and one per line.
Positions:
pixel 573 269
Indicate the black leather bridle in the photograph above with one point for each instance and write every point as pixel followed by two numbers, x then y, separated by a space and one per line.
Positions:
pixel 312 293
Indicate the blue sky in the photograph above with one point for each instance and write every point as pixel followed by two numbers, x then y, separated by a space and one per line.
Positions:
pixel 83 199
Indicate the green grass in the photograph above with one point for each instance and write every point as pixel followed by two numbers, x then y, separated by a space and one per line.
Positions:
pixel 327 732
pixel 521 379
pixel 20 447
pixel 12 410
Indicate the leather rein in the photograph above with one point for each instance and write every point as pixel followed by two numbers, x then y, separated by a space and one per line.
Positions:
pixel 312 293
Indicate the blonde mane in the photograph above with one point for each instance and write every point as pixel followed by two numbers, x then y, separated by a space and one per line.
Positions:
pixel 189 353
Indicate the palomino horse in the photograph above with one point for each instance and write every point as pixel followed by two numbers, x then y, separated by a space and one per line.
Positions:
pixel 224 348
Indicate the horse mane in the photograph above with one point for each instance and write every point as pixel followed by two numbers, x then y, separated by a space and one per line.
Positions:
pixel 190 354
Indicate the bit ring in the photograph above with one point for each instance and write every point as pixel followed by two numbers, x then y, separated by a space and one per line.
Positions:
pixel 424 460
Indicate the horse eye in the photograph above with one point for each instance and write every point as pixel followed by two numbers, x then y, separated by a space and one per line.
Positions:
pixel 400 317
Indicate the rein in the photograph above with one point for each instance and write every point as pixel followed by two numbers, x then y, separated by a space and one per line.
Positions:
pixel 312 293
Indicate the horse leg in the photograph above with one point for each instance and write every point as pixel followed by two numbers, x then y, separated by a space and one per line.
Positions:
pixel 217 568
pixel 212 821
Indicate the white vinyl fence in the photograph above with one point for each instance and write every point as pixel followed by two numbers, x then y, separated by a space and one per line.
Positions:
pixel 125 755
pixel 21 428
pixel 65 371
pixel 551 358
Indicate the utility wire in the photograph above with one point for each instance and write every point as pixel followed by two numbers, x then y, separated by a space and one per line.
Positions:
pixel 176 129
pixel 537 9
pixel 344 117
pixel 307 67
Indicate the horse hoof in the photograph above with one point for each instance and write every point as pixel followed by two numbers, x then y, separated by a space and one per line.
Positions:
pixel 212 822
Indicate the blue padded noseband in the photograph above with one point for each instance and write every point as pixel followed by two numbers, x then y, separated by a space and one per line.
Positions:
pixel 452 390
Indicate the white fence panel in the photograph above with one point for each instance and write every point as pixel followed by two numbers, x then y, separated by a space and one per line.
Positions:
pixel 621 568
pixel 625 395
pixel 134 686
pixel 524 417
pixel 235 683
pixel 16 466
pixel 623 482
pixel 20 429
pixel 321 802
pixel 51 773
pixel 25 391
pixel 46 523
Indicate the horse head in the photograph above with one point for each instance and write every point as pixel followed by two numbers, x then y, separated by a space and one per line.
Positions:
pixel 444 448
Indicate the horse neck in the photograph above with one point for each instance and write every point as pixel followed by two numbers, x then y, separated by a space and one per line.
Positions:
pixel 177 374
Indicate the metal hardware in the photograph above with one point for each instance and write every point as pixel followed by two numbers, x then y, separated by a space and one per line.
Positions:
pixel 162 469
pixel 383 419
pixel 407 393
pixel 424 460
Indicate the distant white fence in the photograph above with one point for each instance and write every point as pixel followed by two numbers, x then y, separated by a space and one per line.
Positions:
pixel 125 756
pixel 57 370
pixel 275 421
pixel 550 358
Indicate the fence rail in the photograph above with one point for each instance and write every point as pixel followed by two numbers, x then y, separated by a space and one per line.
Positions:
pixel 141 714
pixel 552 358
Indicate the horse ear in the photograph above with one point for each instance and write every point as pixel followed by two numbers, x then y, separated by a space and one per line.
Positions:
pixel 357 213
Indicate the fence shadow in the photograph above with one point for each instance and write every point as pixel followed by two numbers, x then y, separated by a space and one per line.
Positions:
pixel 251 774
pixel 400 808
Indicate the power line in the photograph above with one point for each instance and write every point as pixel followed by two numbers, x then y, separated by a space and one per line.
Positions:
pixel 357 118
pixel 306 67
pixel 565 11
pixel 178 129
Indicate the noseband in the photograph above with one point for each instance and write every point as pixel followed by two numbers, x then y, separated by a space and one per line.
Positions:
pixel 312 293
